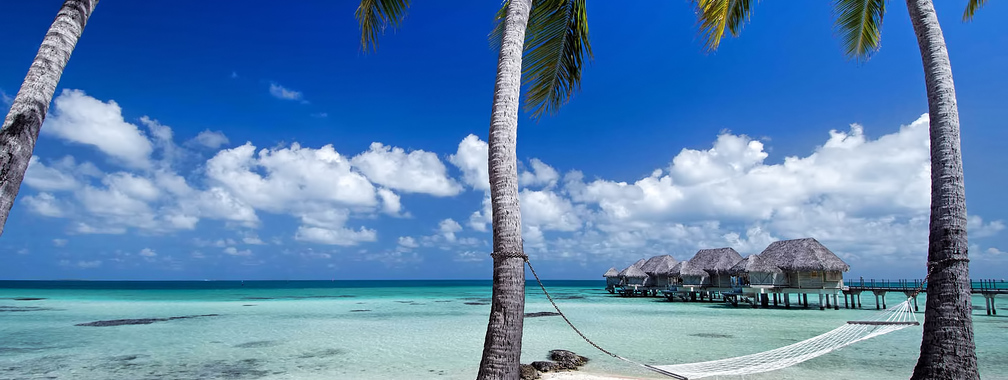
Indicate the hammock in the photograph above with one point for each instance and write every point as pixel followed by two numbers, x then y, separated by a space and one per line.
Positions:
pixel 895 318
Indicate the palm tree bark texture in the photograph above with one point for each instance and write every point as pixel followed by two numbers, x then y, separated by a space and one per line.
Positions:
pixel 502 345
pixel 947 349
pixel 21 126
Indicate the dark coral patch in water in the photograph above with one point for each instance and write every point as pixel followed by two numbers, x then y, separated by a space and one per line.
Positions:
pixel 258 344
pixel 359 310
pixel 28 299
pixel 323 353
pixel 541 314
pixel 477 303
pixel 139 321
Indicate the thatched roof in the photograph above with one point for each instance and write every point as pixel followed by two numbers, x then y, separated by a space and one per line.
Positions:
pixel 716 260
pixel 803 255
pixel 754 264
pixel 612 272
pixel 688 269
pixel 634 270
pixel 659 265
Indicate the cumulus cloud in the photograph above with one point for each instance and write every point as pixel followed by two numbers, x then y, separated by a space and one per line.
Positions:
pixel 60 242
pixel 147 252
pixel 81 119
pixel 471 158
pixel 210 139
pixel 281 92
pixel 414 172
pixel 859 196
pixel 232 251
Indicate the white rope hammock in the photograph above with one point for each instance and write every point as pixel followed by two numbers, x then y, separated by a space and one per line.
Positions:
pixel 896 318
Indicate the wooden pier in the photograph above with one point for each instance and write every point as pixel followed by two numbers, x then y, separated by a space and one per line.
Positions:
pixel 763 296
pixel 986 287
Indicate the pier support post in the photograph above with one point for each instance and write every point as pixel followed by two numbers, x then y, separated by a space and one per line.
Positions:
pixel 820 302
pixel 859 300
pixel 836 305
pixel 765 300
pixel 775 296
pixel 987 304
pixel 993 309
pixel 787 300
pixel 845 304
pixel 805 296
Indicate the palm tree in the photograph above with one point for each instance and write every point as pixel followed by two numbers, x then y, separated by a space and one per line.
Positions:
pixel 21 126
pixel 947 348
pixel 553 36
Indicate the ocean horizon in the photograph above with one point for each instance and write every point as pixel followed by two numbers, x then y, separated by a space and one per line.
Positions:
pixel 415 329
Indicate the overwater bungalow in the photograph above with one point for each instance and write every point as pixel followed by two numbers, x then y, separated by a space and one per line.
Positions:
pixel 807 263
pixel 659 271
pixel 755 271
pixel 633 276
pixel 717 262
pixel 612 279
pixel 810 267
pixel 691 276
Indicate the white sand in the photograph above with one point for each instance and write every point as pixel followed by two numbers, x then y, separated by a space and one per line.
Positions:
pixel 574 375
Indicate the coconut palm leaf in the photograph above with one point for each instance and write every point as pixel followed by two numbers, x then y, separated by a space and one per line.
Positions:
pixel 971 7
pixel 714 16
pixel 374 15
pixel 859 24
pixel 556 47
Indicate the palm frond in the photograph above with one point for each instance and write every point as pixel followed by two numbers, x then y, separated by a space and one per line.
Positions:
pixel 556 47
pixel 859 24
pixel 714 16
pixel 497 34
pixel 374 15
pixel 971 8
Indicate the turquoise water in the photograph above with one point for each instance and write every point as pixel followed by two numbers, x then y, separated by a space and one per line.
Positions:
pixel 411 330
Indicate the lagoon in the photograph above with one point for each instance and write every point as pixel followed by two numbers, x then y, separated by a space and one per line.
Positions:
pixel 410 330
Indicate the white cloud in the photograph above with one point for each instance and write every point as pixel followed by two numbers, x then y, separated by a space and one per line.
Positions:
pixel 448 228
pixel 210 139
pixel 147 252
pixel 47 178
pixel 83 264
pixel 293 176
pixel 236 252
pixel 414 172
pixel 252 239
pixel 335 236
pixel 79 118
pixel 280 92
pixel 995 251
pixel 391 203
pixel 7 100
pixel 407 242
pixel 866 199
pixel 540 175
pixel 45 204
pixel 60 242
pixel 471 158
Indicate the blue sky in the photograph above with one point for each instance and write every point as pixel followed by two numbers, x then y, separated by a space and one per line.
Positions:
pixel 207 141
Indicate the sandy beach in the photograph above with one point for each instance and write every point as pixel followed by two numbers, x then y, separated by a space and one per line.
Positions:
pixel 574 375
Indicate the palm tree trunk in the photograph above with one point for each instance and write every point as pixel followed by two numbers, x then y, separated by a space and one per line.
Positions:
pixel 21 126
pixel 947 348
pixel 502 345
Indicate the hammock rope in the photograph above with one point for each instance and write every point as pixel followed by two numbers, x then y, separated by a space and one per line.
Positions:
pixel 895 318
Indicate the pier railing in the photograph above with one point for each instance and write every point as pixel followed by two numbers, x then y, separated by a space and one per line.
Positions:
pixel 977 286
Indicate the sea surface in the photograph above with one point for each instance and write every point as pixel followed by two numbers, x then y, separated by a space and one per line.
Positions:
pixel 413 330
